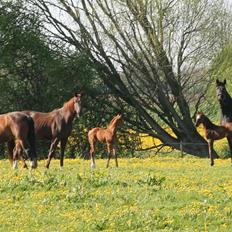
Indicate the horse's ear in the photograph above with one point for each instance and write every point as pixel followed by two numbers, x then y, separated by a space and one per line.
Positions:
pixel 217 82
pixel 224 82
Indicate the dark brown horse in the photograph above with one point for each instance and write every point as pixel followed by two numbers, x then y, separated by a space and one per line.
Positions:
pixel 107 136
pixel 225 103
pixel 212 131
pixel 56 125
pixel 16 126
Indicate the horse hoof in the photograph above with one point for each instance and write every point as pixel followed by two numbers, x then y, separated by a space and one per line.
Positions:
pixel 33 164
pixel 212 164
pixel 93 165
pixel 15 165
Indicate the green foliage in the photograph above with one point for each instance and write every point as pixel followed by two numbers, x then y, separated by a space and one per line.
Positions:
pixel 37 73
pixel 221 69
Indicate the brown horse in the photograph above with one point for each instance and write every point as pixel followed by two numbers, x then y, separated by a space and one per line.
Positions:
pixel 108 136
pixel 56 125
pixel 212 131
pixel 20 127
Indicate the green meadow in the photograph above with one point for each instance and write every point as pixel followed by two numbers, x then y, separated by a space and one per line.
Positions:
pixel 152 194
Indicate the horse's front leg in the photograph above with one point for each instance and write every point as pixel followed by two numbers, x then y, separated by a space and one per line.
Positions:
pixel 63 143
pixel 51 151
pixel 109 148
pixel 115 155
pixel 210 145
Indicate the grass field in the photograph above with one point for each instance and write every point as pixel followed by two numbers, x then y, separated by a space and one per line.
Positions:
pixel 153 194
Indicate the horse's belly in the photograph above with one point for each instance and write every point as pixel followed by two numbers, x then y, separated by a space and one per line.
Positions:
pixel 5 136
pixel 43 134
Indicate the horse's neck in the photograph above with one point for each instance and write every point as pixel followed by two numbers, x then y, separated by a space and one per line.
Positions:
pixel 208 124
pixel 226 110
pixel 68 112
pixel 113 126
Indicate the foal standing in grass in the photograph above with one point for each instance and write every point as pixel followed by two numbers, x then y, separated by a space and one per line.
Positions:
pixel 212 131
pixel 107 136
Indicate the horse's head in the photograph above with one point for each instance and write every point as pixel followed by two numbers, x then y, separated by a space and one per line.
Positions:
pixel 119 119
pixel 221 91
pixel 77 103
pixel 199 119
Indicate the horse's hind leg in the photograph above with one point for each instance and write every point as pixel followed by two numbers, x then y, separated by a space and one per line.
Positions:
pixel 20 154
pixel 22 146
pixel 51 151
pixel 23 161
pixel 10 148
pixel 16 153
pixel 92 150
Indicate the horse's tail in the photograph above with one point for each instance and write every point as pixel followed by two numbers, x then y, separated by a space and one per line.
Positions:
pixel 31 138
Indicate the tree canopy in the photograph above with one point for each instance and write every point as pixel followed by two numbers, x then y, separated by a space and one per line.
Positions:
pixel 153 55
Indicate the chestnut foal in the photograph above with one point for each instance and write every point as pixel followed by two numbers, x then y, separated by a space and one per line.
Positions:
pixel 108 136
pixel 212 131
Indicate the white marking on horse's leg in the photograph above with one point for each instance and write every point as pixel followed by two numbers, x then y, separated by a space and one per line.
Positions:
pixel 33 164
pixel 15 164
pixel 93 165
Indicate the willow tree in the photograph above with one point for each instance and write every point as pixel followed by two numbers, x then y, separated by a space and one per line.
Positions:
pixel 152 54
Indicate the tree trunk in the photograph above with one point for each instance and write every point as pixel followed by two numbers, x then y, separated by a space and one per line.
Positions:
pixel 198 149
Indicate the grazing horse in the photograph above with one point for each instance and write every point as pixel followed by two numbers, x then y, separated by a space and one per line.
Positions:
pixel 56 125
pixel 108 136
pixel 212 132
pixel 20 127
pixel 225 102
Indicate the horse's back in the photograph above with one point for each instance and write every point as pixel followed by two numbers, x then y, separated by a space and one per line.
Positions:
pixel 48 125
pixel 100 134
pixel 93 131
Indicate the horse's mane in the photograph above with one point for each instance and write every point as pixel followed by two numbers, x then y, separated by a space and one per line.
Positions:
pixel 68 104
pixel 112 120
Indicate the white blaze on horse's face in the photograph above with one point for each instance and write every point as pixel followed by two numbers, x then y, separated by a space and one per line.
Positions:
pixel 77 104
pixel 198 117
pixel 198 120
